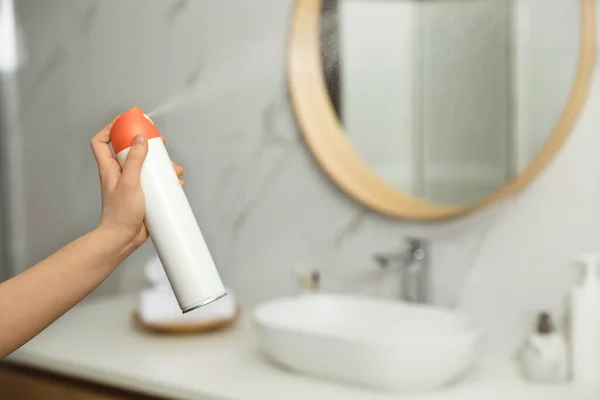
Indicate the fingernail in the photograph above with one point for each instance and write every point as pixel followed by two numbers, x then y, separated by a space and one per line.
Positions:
pixel 139 139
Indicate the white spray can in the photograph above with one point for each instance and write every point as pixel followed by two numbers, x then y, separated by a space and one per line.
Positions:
pixel 169 218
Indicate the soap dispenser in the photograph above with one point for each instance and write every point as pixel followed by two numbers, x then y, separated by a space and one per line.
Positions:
pixel 544 354
pixel 585 323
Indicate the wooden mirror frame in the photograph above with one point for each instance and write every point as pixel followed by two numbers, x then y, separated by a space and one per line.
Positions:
pixel 325 136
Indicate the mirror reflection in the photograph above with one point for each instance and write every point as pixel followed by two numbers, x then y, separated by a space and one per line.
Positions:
pixel 448 100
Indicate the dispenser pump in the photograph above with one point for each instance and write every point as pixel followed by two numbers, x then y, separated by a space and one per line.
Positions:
pixel 589 262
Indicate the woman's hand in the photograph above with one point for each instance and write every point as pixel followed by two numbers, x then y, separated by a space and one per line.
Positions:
pixel 123 205
pixel 35 298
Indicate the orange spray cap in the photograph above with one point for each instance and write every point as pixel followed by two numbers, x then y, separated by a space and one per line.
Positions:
pixel 130 124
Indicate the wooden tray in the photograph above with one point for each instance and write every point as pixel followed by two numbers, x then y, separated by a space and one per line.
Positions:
pixel 200 327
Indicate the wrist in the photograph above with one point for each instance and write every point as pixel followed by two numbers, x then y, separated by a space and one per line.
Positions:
pixel 117 242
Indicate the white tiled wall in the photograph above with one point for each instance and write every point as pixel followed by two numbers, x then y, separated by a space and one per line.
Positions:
pixel 263 204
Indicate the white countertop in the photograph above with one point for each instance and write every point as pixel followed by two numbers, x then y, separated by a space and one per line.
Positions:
pixel 97 342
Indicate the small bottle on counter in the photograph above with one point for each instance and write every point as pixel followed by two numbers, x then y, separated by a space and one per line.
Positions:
pixel 310 280
pixel 544 354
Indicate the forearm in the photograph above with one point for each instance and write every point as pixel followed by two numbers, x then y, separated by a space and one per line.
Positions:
pixel 34 299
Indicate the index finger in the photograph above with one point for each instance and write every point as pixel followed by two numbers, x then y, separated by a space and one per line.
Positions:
pixel 100 147
pixel 104 135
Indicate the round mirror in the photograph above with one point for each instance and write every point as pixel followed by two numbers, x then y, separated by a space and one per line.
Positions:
pixel 431 109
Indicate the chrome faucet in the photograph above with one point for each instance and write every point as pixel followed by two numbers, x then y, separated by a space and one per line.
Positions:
pixel 414 262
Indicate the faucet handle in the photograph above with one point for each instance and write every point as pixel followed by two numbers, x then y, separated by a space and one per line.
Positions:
pixel 413 260
pixel 415 243
pixel 415 249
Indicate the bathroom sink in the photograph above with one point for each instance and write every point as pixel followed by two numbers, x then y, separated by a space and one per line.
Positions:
pixel 380 344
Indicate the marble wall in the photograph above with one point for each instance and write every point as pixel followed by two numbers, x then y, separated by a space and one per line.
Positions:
pixel 263 205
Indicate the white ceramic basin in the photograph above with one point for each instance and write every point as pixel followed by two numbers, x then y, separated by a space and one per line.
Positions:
pixel 381 344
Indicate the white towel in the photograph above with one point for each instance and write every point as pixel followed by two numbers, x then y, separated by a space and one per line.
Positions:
pixel 159 305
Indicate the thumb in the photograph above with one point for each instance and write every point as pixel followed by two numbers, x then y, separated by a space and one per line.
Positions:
pixel 135 160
